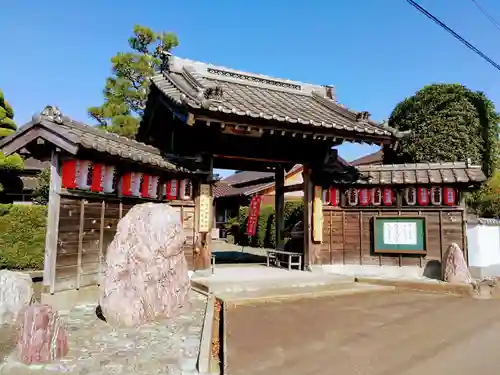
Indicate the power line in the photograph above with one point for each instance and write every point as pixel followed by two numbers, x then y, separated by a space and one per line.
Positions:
pixel 453 33
pixel 486 14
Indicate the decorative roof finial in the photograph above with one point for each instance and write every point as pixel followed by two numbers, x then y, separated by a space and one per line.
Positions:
pixel 53 113
pixel 210 94
pixel 165 57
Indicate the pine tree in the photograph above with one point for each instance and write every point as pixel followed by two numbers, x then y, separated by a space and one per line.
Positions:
pixel 126 91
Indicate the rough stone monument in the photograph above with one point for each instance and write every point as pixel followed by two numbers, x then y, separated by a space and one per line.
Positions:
pixel 455 268
pixel 146 274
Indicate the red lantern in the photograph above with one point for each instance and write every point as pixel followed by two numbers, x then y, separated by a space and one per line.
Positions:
pixel 388 197
pixel 450 196
pixel 364 197
pixel 126 184
pixel 69 173
pixel 334 197
pixel 172 189
pixel 97 178
pixel 423 196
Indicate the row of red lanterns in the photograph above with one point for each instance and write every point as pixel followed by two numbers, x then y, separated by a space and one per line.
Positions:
pixel 385 196
pixel 101 178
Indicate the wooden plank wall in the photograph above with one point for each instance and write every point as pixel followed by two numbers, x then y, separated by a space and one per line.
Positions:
pixel 348 234
pixel 86 228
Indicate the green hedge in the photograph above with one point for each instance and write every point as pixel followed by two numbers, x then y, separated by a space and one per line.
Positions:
pixel 22 236
pixel 266 234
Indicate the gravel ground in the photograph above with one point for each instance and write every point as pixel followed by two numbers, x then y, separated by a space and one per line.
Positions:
pixel 166 347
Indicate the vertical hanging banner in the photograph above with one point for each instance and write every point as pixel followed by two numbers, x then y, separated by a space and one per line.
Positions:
pixel 253 215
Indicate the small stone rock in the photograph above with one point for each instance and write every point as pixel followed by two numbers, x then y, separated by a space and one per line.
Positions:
pixel 455 268
pixel 16 292
pixel 41 336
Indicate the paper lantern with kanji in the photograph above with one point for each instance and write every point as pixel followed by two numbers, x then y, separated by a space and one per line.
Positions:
pixel 136 184
pixel 326 196
pixel 388 197
pixel 172 189
pixel 364 197
pixel 162 194
pixel 84 174
pixel 153 186
pixel 376 194
pixel 334 198
pixel 352 197
pixel 411 196
pixel 449 196
pixel 109 179
pixel 69 174
pixel 186 189
pixel 436 196
pixel 423 196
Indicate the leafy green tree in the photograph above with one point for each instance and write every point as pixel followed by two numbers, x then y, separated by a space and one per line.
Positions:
pixel 41 192
pixel 7 127
pixel 449 122
pixel 486 201
pixel 126 91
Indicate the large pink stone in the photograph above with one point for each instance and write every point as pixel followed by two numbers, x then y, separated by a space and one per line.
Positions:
pixel 455 268
pixel 146 274
pixel 41 337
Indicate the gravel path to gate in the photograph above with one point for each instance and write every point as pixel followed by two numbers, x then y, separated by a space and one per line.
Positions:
pixel 95 348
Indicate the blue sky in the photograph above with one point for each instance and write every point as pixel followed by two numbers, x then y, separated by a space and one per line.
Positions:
pixel 376 52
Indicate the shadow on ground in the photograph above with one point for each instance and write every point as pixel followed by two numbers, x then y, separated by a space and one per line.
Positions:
pixel 238 257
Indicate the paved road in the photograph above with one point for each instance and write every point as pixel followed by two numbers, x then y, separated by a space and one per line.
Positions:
pixel 376 334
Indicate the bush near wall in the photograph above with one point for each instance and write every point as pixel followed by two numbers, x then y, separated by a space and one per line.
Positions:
pixel 266 234
pixel 22 236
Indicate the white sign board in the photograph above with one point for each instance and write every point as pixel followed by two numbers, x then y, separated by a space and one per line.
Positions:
pixel 400 233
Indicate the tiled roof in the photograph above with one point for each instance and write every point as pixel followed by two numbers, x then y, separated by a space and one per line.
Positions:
pixel 223 189
pixel 370 159
pixel 421 173
pixel 89 137
pixel 246 176
pixel 197 85
pixel 230 185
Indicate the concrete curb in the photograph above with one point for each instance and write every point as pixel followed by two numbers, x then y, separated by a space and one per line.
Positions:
pixel 205 351
pixel 461 290
pixel 307 294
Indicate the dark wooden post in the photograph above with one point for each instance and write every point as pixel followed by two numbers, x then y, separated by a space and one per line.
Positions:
pixel 308 198
pixel 279 205
pixel 204 220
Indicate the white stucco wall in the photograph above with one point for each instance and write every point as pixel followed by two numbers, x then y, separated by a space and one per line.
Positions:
pixel 483 239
